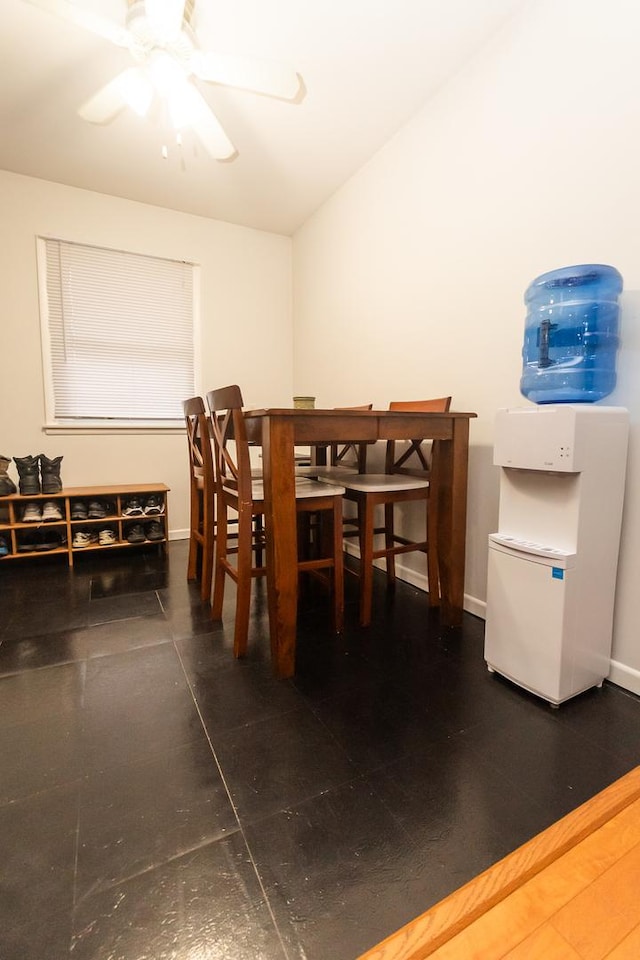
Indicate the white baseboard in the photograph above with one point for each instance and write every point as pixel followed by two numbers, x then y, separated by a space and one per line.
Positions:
pixel 477 607
pixel 624 676
pixel 178 534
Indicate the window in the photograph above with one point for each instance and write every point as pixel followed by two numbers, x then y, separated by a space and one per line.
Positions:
pixel 118 335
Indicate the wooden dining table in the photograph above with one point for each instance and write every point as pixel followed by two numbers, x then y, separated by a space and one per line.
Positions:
pixel 280 430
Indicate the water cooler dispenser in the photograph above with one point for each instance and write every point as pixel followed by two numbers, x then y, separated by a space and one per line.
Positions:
pixel 553 561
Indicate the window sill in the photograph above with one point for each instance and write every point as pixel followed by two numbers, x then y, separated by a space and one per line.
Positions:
pixel 115 428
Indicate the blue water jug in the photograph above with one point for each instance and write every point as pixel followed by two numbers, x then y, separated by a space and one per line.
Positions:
pixel 571 335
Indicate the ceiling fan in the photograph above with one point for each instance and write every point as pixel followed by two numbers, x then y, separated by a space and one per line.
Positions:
pixel 160 38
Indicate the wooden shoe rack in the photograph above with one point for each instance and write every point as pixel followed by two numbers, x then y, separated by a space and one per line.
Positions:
pixel 15 531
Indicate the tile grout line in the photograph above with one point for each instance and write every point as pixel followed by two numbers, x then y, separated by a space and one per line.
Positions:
pixel 76 852
pixel 230 798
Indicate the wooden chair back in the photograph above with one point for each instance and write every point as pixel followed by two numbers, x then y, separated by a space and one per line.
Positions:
pixel 350 454
pixel 202 493
pixel 199 442
pixel 233 461
pixel 414 458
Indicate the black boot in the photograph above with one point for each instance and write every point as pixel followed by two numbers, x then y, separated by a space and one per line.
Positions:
pixel 28 474
pixel 7 486
pixel 50 473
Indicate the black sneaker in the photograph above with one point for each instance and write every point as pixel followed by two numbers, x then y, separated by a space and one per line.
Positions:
pixel 7 486
pixel 97 510
pixel 153 506
pixel 155 531
pixel 27 542
pixel 79 510
pixel 135 534
pixel 133 508
pixel 48 540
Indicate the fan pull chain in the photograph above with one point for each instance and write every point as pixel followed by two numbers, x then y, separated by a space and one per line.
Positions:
pixel 165 149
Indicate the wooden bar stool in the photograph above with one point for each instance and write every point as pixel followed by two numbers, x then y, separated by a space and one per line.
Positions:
pixel 202 496
pixel 243 494
pixel 410 475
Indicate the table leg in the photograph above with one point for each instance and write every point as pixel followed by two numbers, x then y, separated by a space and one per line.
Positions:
pixel 282 548
pixel 452 522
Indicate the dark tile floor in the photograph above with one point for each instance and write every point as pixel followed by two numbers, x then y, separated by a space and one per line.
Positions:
pixel 160 800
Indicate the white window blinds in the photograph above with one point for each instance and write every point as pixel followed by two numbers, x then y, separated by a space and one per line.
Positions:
pixel 120 334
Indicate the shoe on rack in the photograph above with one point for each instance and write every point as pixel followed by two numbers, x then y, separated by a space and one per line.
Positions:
pixel 155 531
pixel 154 506
pixel 7 486
pixel 97 510
pixel 133 508
pixel 107 537
pixel 50 474
pixel 32 513
pixel 135 534
pixel 79 510
pixel 27 542
pixel 81 538
pixel 51 511
pixel 48 540
pixel 29 475
pixel 4 547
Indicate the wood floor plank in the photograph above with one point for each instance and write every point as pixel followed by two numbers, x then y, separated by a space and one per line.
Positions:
pixel 629 949
pixel 544 944
pixel 603 914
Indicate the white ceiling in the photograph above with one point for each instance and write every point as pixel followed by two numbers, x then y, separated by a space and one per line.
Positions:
pixel 367 65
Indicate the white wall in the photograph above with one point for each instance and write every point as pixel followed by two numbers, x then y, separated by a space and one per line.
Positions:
pixel 409 282
pixel 246 335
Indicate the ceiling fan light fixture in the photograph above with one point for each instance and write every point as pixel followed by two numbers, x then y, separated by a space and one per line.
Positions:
pixel 189 108
pixel 166 73
pixel 136 90
pixel 150 30
pixel 186 106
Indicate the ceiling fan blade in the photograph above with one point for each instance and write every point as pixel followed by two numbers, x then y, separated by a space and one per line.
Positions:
pixel 259 76
pixel 213 138
pixel 165 17
pixel 86 19
pixel 107 103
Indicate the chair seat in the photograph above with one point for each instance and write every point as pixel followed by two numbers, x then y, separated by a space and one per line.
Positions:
pixel 411 475
pixel 376 482
pixel 326 471
pixel 305 489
